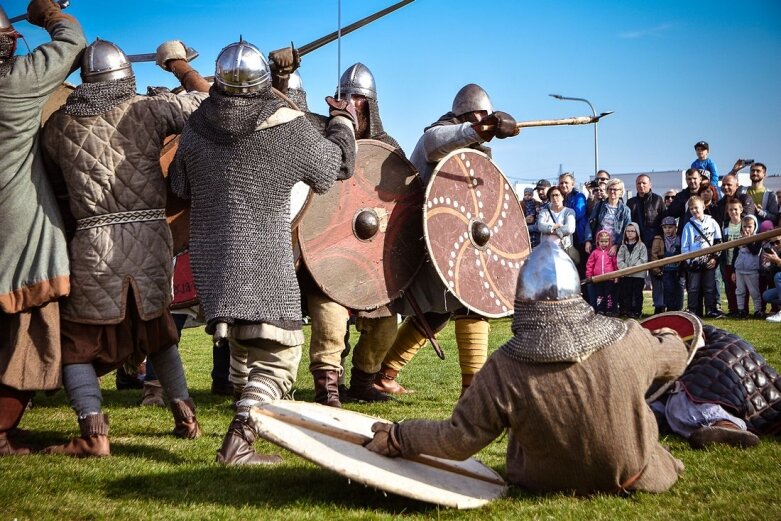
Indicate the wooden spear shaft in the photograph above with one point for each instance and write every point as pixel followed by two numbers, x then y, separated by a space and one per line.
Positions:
pixel 581 120
pixel 683 256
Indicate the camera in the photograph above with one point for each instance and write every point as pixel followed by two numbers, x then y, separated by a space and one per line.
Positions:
pixel 748 162
pixel 767 248
pixel 592 184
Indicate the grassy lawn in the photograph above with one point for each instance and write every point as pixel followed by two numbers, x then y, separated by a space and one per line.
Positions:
pixel 152 475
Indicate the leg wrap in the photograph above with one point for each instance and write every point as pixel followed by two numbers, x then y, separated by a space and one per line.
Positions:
pixel 377 337
pixel 409 340
pixel 169 370
pixel 329 321
pixel 472 341
pixel 81 384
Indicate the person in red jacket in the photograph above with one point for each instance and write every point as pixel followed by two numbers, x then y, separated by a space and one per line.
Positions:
pixel 600 262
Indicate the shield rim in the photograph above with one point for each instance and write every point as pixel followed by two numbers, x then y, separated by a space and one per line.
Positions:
pixel 397 152
pixel 442 278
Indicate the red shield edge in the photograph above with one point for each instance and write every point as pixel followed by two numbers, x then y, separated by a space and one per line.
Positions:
pixel 466 191
pixel 184 286
pixel 366 273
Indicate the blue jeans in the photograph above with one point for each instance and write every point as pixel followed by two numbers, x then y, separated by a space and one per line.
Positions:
pixel 773 295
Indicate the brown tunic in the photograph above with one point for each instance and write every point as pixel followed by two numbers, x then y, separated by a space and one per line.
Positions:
pixel 581 427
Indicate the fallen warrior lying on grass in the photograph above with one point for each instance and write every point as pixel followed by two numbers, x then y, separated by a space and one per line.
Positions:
pixel 569 387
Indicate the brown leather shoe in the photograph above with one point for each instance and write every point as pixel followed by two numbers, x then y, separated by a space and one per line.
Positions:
pixel 723 432
pixel 362 388
pixel 92 443
pixel 237 446
pixel 11 448
pixel 385 382
pixel 185 424
pixel 327 387
pixel 153 395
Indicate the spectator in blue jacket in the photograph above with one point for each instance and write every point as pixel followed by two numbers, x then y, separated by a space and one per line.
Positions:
pixel 576 201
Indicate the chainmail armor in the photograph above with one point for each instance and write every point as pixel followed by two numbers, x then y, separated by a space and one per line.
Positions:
pixel 550 331
pixel 6 65
pixel 239 179
pixel 91 99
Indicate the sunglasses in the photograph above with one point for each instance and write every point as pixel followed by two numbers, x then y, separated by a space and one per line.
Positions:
pixel 669 197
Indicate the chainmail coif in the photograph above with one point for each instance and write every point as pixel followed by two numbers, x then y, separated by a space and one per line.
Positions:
pixel 239 179
pixel 91 99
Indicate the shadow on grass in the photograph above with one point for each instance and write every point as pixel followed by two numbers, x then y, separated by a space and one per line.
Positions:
pixel 278 487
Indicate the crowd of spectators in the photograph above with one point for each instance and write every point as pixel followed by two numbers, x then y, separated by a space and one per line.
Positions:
pixel 602 233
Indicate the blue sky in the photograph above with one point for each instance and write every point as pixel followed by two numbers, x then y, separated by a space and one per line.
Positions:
pixel 674 72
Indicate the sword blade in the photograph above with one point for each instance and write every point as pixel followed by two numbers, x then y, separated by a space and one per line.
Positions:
pixel 312 46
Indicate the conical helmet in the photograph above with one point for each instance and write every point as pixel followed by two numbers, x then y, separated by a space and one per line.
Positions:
pixel 5 23
pixel 241 69
pixel 548 274
pixel 295 81
pixel 104 61
pixel 8 36
pixel 358 79
pixel 471 98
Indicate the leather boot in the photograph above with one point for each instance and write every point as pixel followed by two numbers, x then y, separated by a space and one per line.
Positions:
pixel 385 382
pixel 237 446
pixel 153 394
pixel 92 443
pixel 362 387
pixel 12 407
pixel 327 387
pixel 185 424
pixel 724 432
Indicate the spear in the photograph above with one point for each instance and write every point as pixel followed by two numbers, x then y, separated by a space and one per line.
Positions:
pixel 775 232
pixel 581 120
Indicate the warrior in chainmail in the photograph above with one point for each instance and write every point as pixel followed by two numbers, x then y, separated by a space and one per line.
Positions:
pixel 728 395
pixel 239 157
pixel 33 255
pixel 471 123
pixel 569 386
pixel 103 146
pixel 330 319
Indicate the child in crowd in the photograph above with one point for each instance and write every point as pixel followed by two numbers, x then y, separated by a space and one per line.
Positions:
pixel 701 231
pixel 730 233
pixel 746 271
pixel 531 207
pixel 667 245
pixel 703 162
pixel 600 262
pixel 632 253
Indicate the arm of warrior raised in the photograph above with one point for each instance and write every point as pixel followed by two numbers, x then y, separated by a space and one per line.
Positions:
pixel 48 65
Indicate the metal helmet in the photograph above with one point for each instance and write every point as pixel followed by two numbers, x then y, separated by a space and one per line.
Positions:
pixel 471 98
pixel 241 69
pixel 8 36
pixel 295 81
pixel 358 79
pixel 104 61
pixel 547 274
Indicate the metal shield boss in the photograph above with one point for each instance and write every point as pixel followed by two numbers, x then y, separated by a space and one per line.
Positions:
pixel 475 232
pixel 361 240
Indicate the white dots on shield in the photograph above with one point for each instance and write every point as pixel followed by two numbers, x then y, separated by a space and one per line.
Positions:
pixel 474 182
pixel 451 283
pixel 492 294
pixel 504 309
pixel 431 204
pixel 451 263
pixel 500 223
pixel 455 203
pixel 482 274
pixel 477 262
pixel 480 205
pixel 477 192
pixel 447 201
pixel 498 302
pixel 463 156
pixel 453 254
pixel 486 286
pixel 468 215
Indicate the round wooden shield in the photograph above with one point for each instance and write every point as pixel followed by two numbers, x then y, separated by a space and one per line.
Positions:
pixel 361 240
pixel 333 438
pixel 688 326
pixel 475 232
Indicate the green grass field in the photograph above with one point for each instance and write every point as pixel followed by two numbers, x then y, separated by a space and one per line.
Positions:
pixel 152 475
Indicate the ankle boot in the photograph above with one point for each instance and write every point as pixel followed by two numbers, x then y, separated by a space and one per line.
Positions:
pixel 362 387
pixel 92 443
pixel 327 387
pixel 12 407
pixel 237 446
pixel 153 394
pixel 385 382
pixel 724 432
pixel 185 424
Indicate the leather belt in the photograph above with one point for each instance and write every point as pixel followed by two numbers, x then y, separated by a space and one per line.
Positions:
pixel 131 216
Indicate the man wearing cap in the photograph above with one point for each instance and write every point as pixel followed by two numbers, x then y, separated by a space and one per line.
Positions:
pixel 33 255
pixel 554 387
pixel 647 211
pixel 703 162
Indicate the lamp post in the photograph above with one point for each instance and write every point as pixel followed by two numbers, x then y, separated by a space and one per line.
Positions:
pixel 596 132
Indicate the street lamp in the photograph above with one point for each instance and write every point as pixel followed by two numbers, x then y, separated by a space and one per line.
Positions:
pixel 596 123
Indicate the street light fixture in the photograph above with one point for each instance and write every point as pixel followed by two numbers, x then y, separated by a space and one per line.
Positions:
pixel 596 123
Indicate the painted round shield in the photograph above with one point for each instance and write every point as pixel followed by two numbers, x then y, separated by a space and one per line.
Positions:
pixel 333 438
pixel 475 232
pixel 361 240
pixel 688 326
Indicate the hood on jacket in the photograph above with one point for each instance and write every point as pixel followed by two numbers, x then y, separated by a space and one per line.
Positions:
pixel 756 223
pixel 606 234
pixel 637 231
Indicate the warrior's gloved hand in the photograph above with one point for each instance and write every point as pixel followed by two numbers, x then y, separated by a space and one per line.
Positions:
pixel 44 12
pixel 170 50
pixel 284 61
pixel 385 441
pixel 497 124
pixel 344 108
